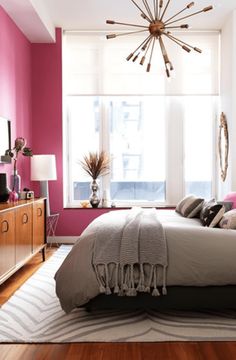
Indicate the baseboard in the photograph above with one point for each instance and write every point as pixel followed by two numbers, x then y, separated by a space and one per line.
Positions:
pixel 62 239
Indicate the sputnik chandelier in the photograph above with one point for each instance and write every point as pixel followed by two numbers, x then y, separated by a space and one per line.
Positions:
pixel 158 26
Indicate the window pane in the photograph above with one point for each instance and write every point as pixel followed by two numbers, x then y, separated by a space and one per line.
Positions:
pixel 198 142
pixel 137 145
pixel 83 129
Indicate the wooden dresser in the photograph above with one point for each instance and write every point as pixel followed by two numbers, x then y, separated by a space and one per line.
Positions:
pixel 22 234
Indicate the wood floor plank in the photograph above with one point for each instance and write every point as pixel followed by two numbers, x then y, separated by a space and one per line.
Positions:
pixel 104 351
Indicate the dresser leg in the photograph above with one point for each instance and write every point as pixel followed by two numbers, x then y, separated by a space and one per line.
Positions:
pixel 43 253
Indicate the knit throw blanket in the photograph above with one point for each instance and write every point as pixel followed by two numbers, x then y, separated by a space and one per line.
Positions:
pixel 130 253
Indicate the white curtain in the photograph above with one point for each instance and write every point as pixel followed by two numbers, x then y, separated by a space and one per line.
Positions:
pixel 94 65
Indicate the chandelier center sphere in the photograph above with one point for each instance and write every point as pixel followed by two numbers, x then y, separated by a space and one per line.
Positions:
pixel 156 28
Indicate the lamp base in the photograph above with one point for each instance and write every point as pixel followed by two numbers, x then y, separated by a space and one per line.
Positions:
pixel 44 192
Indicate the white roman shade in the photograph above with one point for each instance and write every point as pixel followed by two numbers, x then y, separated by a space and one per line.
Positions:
pixel 94 65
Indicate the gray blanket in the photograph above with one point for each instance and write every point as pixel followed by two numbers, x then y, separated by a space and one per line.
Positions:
pixel 133 246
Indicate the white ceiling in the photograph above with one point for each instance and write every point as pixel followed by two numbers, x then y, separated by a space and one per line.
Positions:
pixel 37 18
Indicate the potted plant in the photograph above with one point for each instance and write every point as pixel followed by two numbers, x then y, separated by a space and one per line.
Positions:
pixel 95 165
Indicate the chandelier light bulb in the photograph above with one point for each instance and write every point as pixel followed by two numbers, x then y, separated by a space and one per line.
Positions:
pixel 157 28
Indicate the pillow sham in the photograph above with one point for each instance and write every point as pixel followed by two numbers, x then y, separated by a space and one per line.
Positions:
pixel 228 221
pixel 189 206
pixel 211 213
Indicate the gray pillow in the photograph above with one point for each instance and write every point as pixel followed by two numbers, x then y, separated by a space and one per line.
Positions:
pixel 189 206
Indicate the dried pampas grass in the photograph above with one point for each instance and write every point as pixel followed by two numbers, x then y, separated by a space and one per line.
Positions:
pixel 96 164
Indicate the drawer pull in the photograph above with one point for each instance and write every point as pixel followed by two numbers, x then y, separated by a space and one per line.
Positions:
pixel 39 212
pixel 4 226
pixel 25 218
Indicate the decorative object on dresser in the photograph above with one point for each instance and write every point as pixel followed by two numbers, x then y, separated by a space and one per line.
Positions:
pixel 95 165
pixel 43 169
pixel 15 183
pixel 158 26
pixel 22 234
pixel 223 146
pixel 4 191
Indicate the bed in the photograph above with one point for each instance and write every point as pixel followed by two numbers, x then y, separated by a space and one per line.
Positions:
pixel 201 271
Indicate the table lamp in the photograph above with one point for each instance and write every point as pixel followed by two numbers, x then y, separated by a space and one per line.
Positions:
pixel 43 169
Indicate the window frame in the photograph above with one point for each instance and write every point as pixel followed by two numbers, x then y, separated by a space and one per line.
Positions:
pixel 175 183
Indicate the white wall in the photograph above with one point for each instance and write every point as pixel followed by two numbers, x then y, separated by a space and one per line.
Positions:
pixel 228 97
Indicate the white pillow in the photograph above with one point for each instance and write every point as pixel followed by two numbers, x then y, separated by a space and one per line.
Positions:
pixel 228 221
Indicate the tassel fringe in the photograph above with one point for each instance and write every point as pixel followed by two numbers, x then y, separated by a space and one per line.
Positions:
pixel 124 275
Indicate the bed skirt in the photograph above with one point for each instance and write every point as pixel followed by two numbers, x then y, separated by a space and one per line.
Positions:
pixel 177 298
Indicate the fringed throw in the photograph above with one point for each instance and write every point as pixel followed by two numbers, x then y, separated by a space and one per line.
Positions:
pixel 130 253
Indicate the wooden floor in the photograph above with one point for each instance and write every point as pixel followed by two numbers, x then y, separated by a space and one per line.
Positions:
pixel 105 351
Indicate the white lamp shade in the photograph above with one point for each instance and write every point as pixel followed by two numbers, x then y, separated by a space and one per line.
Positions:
pixel 43 167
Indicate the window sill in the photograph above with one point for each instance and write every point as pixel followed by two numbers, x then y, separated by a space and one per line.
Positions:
pixel 166 207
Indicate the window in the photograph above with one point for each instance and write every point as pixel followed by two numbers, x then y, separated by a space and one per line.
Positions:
pixel 161 143
pixel 199 144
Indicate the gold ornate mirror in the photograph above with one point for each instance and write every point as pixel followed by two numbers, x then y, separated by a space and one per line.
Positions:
pixel 223 146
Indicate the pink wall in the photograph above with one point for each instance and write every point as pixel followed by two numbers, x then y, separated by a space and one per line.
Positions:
pixel 35 69
pixel 47 130
pixel 15 87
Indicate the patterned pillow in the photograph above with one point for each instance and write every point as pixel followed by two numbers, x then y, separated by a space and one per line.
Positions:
pixel 189 206
pixel 211 213
pixel 228 221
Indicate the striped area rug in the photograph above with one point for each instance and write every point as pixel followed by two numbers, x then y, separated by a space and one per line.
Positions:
pixel 33 315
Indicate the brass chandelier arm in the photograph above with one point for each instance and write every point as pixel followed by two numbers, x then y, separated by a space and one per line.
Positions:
pixel 148 9
pixel 164 11
pixel 184 26
pixel 144 47
pixel 150 58
pixel 165 56
pixel 193 14
pixel 112 36
pixel 149 41
pixel 112 22
pixel 160 7
pixel 157 11
pixel 132 54
pixel 182 42
pixel 178 13
pixel 142 12
pixel 154 8
pixel 177 41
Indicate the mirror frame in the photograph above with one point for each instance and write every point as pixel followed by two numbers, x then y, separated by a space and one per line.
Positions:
pixel 223 153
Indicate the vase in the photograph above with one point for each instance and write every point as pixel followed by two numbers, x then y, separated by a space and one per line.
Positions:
pixel 15 182
pixel 94 199
pixel 4 191
pixel 14 197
